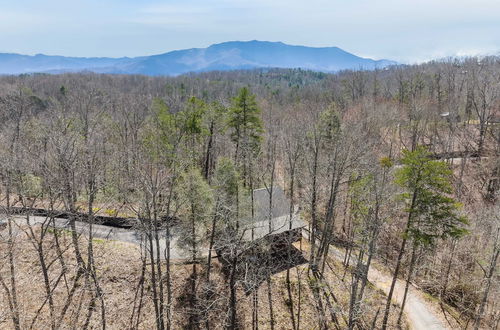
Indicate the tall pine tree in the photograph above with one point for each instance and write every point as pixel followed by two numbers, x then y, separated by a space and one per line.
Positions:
pixel 247 129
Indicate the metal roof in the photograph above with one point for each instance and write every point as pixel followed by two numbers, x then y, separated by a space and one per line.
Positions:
pixel 271 219
pixel 262 208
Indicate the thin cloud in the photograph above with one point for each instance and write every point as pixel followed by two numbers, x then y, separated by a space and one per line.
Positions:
pixel 403 30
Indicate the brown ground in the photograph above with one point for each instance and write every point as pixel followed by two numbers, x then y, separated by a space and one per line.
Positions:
pixel 118 267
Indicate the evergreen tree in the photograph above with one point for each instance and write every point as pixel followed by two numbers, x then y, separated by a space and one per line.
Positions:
pixel 214 122
pixel 197 197
pixel 247 127
pixel 431 212
pixel 190 121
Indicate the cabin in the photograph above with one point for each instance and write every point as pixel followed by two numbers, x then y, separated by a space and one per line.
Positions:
pixel 268 238
pixel 272 217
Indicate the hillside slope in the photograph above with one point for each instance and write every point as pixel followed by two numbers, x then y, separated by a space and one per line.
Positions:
pixel 234 55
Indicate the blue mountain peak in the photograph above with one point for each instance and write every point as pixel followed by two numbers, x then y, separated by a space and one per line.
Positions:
pixel 231 55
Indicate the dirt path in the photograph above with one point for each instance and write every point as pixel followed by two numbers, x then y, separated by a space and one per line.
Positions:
pixel 420 313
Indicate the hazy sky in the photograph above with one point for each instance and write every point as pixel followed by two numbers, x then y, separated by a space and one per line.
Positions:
pixel 403 30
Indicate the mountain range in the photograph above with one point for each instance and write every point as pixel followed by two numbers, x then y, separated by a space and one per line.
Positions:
pixel 232 55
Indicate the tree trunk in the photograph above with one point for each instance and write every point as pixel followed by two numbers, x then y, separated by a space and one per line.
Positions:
pixel 398 265
pixel 270 301
pixel 233 322
pixel 407 285
pixel 314 221
pixel 208 155
pixel 489 277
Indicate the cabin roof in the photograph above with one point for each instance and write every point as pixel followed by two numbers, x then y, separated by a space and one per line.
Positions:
pixel 279 211
pixel 262 208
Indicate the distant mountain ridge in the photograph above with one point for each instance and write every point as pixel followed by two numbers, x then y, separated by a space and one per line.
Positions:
pixel 232 55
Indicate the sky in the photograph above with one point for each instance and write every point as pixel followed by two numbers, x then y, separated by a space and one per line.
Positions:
pixel 407 31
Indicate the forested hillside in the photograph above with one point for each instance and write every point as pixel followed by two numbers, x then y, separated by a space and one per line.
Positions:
pixel 233 55
pixel 396 170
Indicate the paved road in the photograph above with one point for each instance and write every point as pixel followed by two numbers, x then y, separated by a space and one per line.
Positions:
pixel 105 232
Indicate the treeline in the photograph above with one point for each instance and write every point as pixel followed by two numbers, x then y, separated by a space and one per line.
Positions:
pixel 364 156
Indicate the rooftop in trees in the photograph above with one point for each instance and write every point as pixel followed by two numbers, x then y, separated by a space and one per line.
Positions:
pixel 271 214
